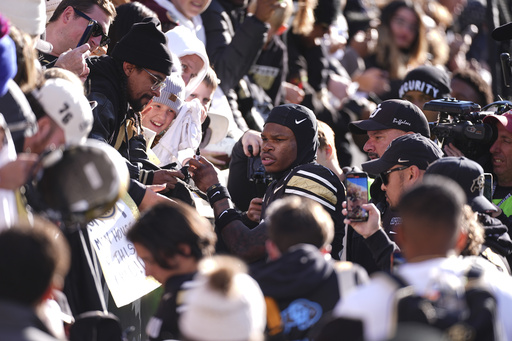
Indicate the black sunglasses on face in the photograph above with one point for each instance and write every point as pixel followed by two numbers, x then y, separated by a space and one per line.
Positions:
pixel 97 30
pixel 384 176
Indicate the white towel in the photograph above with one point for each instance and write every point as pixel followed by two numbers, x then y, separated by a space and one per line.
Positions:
pixel 183 137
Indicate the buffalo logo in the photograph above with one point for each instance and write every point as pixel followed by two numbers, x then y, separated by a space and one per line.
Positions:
pixel 372 115
pixel 478 184
pixel 302 314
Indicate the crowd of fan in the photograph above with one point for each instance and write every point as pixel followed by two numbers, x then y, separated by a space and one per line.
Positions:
pixel 239 123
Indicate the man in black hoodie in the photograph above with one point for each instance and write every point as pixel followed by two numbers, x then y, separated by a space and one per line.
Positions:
pixel 288 153
pixel 300 284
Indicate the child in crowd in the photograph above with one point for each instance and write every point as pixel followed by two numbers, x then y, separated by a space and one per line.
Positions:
pixel 161 111
pixel 214 144
pixel 172 126
pixel 204 91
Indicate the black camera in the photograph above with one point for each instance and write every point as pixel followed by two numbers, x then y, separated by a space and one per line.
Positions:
pixel 257 175
pixel 460 123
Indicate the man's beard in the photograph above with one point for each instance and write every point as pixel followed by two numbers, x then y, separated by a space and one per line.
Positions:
pixel 137 104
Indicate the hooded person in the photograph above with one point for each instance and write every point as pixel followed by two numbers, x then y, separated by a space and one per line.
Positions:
pixel 288 153
pixel 192 54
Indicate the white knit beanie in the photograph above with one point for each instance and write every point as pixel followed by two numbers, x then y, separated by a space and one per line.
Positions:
pixel 27 15
pixel 173 94
pixel 211 313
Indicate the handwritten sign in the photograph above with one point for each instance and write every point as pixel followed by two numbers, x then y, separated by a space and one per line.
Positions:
pixel 122 269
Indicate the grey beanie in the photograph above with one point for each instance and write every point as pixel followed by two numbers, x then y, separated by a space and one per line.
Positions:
pixel 173 94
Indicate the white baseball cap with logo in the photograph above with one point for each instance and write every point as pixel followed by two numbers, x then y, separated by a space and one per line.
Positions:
pixel 67 105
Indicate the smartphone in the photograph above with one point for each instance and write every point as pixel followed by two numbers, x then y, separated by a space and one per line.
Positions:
pixel 488 186
pixel 87 34
pixel 357 195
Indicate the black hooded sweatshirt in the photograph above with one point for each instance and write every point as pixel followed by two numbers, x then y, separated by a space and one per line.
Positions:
pixel 305 177
pixel 304 285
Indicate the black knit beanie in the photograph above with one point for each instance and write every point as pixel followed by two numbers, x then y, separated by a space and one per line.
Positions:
pixel 302 122
pixel 145 46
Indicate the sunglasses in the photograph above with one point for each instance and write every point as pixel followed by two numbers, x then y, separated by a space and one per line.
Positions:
pixel 96 29
pixel 384 176
pixel 159 84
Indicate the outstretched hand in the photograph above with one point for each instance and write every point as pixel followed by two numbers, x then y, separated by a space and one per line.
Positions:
pixel 203 173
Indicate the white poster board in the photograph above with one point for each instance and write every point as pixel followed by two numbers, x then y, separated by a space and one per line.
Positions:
pixel 123 270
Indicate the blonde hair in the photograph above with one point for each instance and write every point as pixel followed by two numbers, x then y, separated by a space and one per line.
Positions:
pixel 474 230
pixel 210 78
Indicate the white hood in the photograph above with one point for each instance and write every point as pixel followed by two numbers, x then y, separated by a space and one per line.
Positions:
pixel 182 42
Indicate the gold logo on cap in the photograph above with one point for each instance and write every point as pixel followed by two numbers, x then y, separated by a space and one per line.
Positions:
pixel 173 97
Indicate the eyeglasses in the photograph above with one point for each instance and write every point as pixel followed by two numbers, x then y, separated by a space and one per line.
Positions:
pixel 97 30
pixel 159 84
pixel 384 176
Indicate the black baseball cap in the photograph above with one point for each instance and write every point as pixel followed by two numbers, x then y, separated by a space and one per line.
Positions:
pixel 469 175
pixel 394 114
pixel 407 150
pixel 503 32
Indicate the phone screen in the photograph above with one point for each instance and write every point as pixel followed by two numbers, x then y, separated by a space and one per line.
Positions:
pixel 488 186
pixel 357 195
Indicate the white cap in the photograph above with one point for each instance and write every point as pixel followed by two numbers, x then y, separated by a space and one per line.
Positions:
pixel 67 105
pixel 217 129
pixel 27 15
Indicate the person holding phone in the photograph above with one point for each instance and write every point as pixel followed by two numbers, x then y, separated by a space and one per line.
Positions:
pixel 76 28
pixel 401 166
pixel 391 119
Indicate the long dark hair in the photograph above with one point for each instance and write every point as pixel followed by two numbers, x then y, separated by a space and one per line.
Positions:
pixel 389 56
